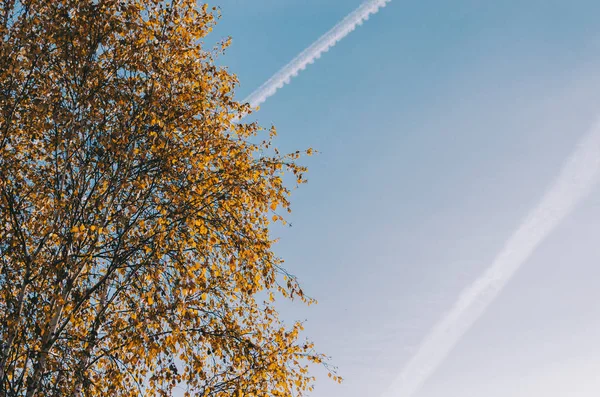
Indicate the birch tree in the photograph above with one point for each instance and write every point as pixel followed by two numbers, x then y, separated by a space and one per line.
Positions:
pixel 135 210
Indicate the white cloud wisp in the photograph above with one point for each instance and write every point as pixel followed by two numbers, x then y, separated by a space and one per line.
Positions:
pixel 314 51
pixel 575 180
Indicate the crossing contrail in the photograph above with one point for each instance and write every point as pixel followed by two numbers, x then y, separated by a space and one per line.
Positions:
pixel 314 51
pixel 575 180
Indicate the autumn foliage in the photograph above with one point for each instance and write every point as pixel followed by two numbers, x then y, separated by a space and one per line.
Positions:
pixel 135 210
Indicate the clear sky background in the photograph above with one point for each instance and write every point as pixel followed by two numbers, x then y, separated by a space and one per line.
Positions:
pixel 440 124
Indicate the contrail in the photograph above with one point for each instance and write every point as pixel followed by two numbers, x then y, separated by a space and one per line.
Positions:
pixel 575 180
pixel 314 51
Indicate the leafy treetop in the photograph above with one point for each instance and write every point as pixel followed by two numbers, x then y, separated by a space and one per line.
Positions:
pixel 134 211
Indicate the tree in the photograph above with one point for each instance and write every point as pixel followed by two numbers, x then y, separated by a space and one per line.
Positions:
pixel 134 211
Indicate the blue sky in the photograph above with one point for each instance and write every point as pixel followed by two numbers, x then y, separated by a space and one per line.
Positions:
pixel 440 124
